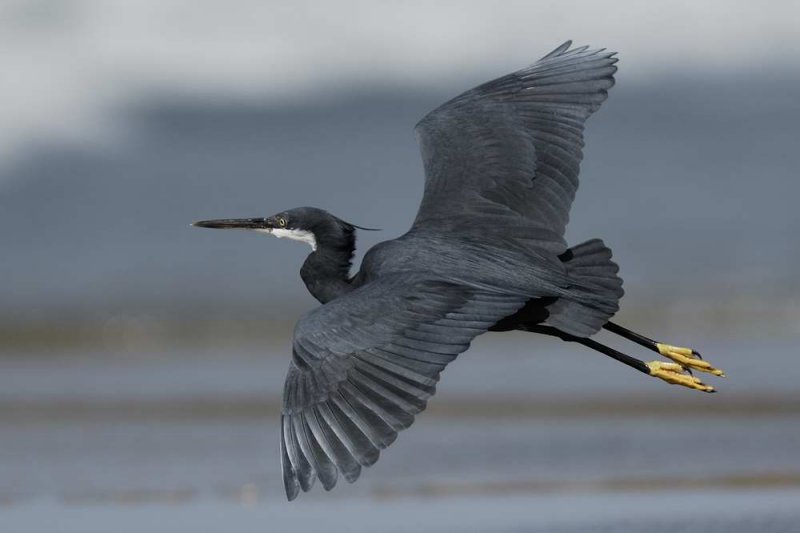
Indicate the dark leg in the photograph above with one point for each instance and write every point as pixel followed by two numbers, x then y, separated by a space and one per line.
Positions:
pixel 632 336
pixel 632 362
pixel 670 372
pixel 686 357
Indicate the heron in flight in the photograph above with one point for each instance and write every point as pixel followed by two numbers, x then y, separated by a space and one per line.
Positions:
pixel 486 252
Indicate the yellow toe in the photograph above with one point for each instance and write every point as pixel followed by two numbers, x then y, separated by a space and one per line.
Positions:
pixel 675 374
pixel 688 358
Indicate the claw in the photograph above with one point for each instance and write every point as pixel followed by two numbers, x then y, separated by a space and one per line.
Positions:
pixel 674 374
pixel 688 359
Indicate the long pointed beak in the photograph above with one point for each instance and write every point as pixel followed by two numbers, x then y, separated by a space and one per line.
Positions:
pixel 235 223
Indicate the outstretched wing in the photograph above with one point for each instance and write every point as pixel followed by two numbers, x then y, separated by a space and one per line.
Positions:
pixel 364 364
pixel 505 156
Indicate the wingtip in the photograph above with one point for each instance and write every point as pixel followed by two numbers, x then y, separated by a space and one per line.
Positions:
pixel 290 483
pixel 291 495
pixel 565 47
pixel 560 49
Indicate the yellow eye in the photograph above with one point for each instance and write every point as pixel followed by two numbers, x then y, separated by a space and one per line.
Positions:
pixel 282 222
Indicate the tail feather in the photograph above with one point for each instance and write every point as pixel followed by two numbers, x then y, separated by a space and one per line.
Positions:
pixel 598 290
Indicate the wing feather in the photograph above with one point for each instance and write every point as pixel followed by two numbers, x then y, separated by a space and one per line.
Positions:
pixel 366 363
pixel 349 432
pixel 505 156
pixel 290 482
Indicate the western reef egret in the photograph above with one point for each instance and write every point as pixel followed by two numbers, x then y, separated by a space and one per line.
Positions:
pixel 486 252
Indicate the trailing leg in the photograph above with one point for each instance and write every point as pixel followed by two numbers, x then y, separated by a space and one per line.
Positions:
pixel 686 357
pixel 672 373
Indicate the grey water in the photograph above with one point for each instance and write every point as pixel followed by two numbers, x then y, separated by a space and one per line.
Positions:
pixel 524 434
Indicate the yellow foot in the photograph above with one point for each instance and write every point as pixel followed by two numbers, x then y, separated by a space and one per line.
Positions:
pixel 688 358
pixel 675 374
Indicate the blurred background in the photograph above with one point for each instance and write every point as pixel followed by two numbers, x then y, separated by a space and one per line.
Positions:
pixel 141 360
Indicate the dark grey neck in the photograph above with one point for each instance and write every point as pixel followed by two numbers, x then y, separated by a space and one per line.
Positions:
pixel 326 271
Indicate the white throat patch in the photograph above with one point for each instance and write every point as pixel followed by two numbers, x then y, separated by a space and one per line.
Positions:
pixel 294 234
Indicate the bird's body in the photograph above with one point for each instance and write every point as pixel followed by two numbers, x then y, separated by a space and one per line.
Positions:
pixel 486 252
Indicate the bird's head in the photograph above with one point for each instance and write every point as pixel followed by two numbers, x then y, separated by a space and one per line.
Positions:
pixel 311 225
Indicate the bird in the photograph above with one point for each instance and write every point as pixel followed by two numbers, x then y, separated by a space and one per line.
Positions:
pixel 486 252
